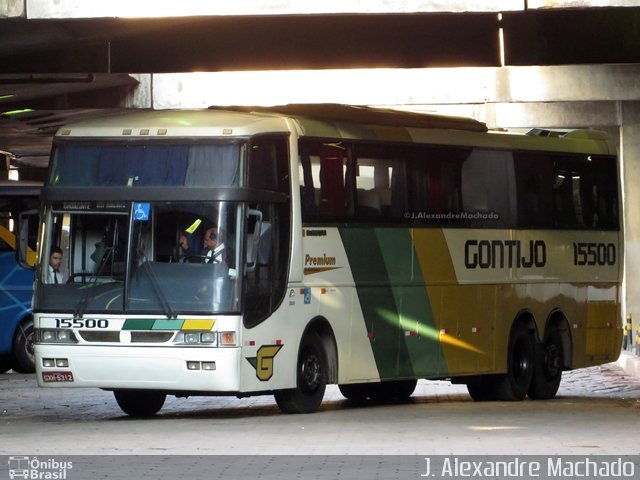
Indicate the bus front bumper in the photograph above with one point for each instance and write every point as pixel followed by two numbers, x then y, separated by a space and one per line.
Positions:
pixel 156 368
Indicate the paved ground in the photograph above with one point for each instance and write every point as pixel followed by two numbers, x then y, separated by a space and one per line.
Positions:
pixel 597 412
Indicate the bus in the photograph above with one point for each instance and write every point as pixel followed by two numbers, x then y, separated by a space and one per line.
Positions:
pixel 255 251
pixel 16 283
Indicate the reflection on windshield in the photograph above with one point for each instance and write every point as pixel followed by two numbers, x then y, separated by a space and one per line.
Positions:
pixel 166 258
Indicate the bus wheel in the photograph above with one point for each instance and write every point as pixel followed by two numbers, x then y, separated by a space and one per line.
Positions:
pixel 356 392
pixel 139 403
pixel 516 382
pixel 482 388
pixel 547 371
pixel 394 390
pixel 5 364
pixel 311 379
pixel 23 353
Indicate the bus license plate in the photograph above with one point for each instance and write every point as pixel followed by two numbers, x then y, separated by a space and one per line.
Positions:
pixel 50 377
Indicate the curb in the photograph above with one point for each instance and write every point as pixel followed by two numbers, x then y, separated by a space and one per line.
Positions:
pixel 630 363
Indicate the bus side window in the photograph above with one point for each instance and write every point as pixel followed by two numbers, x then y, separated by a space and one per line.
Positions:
pixel 488 187
pixel 308 198
pixel 325 180
pixel 380 183
pixel 604 192
pixel 572 207
pixel 332 199
pixel 269 164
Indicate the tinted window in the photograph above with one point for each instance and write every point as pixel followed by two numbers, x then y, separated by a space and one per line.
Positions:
pixel 133 165
pixel 456 186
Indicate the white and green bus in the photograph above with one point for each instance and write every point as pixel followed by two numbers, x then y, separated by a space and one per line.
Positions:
pixel 354 246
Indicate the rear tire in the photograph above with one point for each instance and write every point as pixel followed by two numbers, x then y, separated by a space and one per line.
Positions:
pixel 547 371
pixel 23 351
pixel 514 385
pixel 311 378
pixel 140 403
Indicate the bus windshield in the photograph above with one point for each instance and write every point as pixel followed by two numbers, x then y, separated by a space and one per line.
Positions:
pixel 160 257
pixel 143 165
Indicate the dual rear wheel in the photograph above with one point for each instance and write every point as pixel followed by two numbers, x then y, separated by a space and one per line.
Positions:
pixel 532 369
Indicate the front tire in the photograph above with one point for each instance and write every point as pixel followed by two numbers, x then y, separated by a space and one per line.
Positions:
pixel 139 403
pixel 23 351
pixel 311 378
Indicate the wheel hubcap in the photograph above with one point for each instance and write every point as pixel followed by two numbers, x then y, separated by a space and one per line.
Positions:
pixel 521 363
pixel 551 361
pixel 310 372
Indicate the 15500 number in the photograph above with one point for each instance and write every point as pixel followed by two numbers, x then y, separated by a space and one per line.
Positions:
pixel 594 253
pixel 85 323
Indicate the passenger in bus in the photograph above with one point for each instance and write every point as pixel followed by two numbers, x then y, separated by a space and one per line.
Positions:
pixel 53 270
pixel 188 250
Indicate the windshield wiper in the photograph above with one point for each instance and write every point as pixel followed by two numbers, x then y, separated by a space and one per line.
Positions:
pixel 87 294
pixel 162 297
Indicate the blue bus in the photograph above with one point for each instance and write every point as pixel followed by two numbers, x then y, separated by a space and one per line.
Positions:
pixel 16 283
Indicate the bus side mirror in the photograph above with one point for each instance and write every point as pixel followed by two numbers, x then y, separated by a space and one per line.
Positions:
pixel 27 229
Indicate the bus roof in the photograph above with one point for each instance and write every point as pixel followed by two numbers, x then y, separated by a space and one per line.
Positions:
pixel 334 112
pixel 335 121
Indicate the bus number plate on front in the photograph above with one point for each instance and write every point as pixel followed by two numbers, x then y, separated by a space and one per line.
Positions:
pixel 51 377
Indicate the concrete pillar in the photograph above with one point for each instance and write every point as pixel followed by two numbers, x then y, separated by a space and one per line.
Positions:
pixel 630 153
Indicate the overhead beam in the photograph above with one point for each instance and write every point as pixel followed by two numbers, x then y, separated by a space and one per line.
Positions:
pixel 432 86
pixel 46 9
pixel 153 8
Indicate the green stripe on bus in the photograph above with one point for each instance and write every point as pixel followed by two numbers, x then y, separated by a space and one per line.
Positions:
pixel 138 324
pixel 416 323
pixel 152 324
pixel 168 324
pixel 394 301
pixel 375 295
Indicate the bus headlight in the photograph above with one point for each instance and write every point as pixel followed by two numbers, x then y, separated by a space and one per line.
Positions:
pixel 208 337
pixel 191 338
pixel 196 338
pixel 56 336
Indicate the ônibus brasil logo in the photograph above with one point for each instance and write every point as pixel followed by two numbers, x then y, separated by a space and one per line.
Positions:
pixel 38 469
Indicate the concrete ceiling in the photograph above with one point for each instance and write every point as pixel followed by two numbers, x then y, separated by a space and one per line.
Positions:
pixel 65 69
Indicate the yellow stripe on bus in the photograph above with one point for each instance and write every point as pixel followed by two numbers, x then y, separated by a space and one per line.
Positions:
pixel 10 239
pixel 198 324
